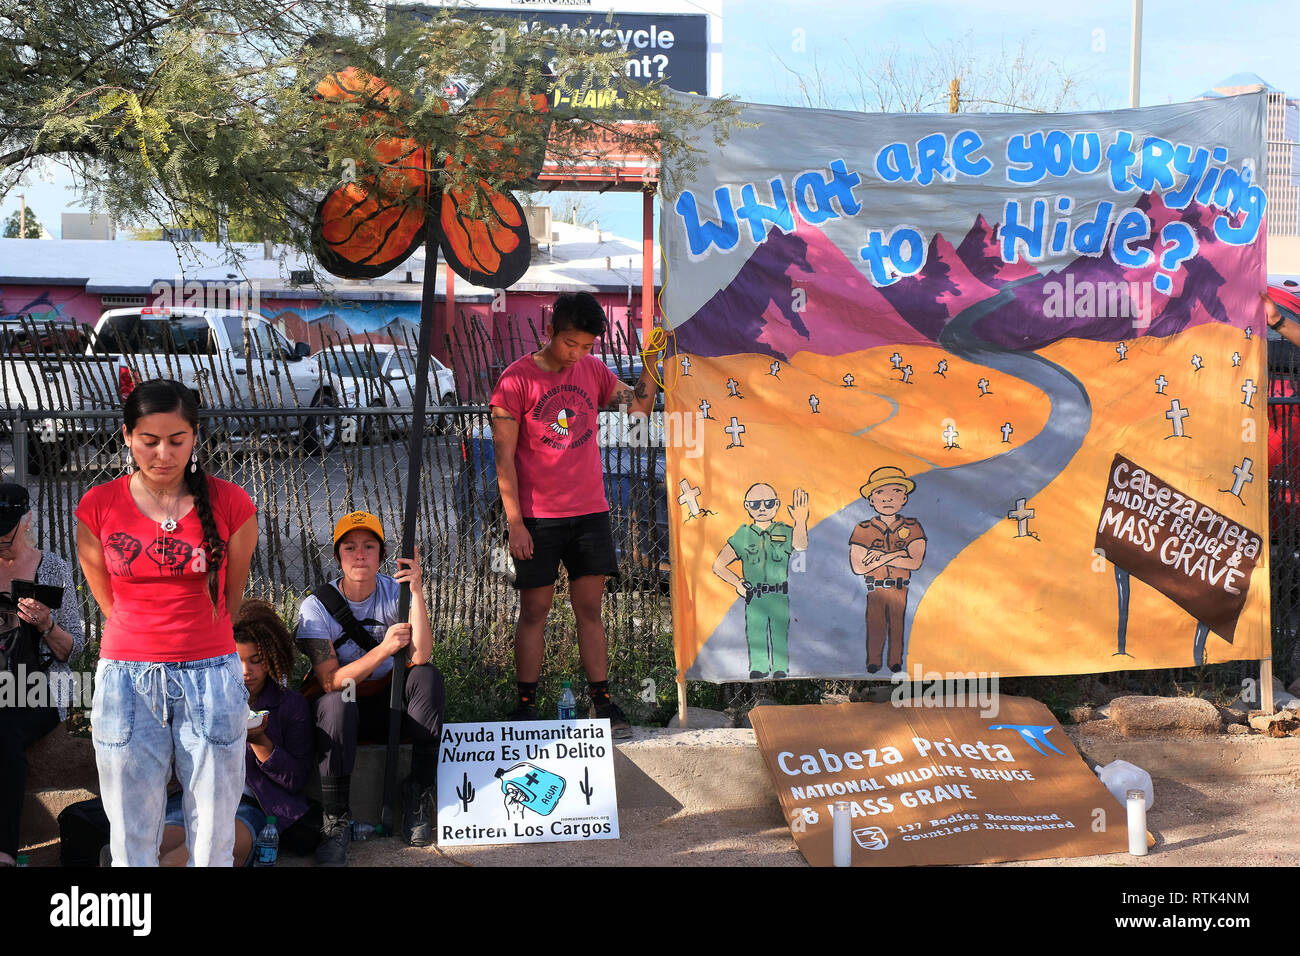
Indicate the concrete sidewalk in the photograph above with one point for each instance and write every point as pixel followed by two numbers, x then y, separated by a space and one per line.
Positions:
pixel 703 798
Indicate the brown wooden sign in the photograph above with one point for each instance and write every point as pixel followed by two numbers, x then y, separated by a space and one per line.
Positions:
pixel 1196 556
pixel 936 785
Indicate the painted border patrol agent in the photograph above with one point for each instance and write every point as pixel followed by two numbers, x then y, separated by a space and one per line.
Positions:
pixel 763 548
pixel 885 551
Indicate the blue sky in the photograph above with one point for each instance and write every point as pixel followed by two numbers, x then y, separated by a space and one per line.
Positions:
pixel 1187 48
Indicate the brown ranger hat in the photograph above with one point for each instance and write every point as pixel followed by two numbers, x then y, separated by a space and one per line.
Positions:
pixel 887 475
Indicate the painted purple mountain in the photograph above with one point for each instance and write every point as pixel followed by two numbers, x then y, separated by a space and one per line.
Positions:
pixel 843 312
pixel 981 253
pixel 1088 286
pixel 796 293
pixel 944 286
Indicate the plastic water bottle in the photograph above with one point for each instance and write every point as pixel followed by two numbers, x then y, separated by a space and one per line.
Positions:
pixel 364 831
pixel 267 848
pixel 1120 776
pixel 568 709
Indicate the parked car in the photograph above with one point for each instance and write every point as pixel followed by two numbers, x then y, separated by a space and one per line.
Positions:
pixel 634 485
pixel 44 367
pixel 369 376
pixel 233 360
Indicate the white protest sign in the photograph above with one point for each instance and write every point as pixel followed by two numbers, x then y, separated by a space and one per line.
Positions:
pixel 540 781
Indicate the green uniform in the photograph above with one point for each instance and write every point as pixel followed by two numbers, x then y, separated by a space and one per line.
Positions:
pixel 765 561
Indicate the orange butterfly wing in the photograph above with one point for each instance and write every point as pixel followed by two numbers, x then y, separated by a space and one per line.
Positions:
pixel 365 229
pixel 492 249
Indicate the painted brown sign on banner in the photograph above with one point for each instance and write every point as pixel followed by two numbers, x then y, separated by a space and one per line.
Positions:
pixel 1196 556
pixel 936 785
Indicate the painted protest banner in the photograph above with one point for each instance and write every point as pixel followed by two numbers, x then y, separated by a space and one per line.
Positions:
pixel 542 781
pixel 1196 556
pixel 916 344
pixel 936 785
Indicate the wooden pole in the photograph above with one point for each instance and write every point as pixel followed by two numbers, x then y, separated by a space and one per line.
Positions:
pixel 1266 685
pixel 414 466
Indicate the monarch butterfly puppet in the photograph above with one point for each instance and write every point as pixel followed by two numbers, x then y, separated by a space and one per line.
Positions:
pixel 365 228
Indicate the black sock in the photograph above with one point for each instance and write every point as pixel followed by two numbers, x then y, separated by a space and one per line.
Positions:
pixel 424 768
pixel 527 693
pixel 598 691
pixel 334 794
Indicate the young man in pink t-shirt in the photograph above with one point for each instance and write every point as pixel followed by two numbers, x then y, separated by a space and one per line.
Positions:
pixel 544 428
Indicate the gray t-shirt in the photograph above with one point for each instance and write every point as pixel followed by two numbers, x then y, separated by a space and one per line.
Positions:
pixel 317 629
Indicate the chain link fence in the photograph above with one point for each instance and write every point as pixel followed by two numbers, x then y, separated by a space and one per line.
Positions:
pixel 307 466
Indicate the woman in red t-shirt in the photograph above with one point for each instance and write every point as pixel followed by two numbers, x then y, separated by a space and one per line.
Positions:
pixel 165 550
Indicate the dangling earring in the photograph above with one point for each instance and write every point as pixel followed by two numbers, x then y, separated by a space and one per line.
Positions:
pixel 130 462
pixel 194 461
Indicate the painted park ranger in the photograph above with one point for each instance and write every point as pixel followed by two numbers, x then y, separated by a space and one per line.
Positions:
pixel 885 551
pixel 763 548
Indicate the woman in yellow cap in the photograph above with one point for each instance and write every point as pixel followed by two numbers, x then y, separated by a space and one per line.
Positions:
pixel 350 631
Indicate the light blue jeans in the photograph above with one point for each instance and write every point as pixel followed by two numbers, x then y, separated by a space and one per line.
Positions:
pixel 147 718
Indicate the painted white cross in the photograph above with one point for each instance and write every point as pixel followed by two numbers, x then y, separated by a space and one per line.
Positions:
pixel 896 360
pixel 686 365
pixel 1250 390
pixel 1006 432
pixel 1242 476
pixel 984 386
pixel 1236 359
pixel 732 386
pixel 1176 414
pixel 1021 515
pixel 1161 382
pixel 1196 362
pixel 704 408
pixel 814 401
pixel 943 368
pixel 773 369
pixel 950 437
pixel 1122 349
pixel 689 497
pixel 1248 331
pixel 735 430
pixel 848 380
pixel 907 373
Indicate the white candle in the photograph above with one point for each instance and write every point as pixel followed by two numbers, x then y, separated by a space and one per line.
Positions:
pixel 843 833
pixel 1137 823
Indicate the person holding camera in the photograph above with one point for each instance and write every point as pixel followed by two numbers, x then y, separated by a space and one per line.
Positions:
pixel 34 637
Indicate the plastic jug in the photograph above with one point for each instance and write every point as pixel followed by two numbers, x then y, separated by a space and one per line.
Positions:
pixel 1120 776
pixel 529 785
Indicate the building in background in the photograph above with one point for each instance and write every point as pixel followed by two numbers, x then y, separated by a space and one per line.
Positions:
pixel 1282 133
pixel 85 225
pixel 75 280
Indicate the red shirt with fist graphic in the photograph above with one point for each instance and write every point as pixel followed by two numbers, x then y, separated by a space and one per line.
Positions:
pixel 161 607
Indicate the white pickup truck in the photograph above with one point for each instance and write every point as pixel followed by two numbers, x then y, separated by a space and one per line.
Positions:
pixel 233 360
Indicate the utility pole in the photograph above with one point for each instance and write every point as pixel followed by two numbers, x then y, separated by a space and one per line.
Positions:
pixel 1135 61
pixel 22 216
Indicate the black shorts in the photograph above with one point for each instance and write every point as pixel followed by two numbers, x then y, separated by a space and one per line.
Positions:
pixel 584 543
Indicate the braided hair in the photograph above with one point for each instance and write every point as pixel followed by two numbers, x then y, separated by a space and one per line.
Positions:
pixel 259 623
pixel 163 396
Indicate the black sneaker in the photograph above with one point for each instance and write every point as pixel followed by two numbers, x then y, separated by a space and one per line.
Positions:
pixel 335 835
pixel 524 712
pixel 619 728
pixel 417 813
